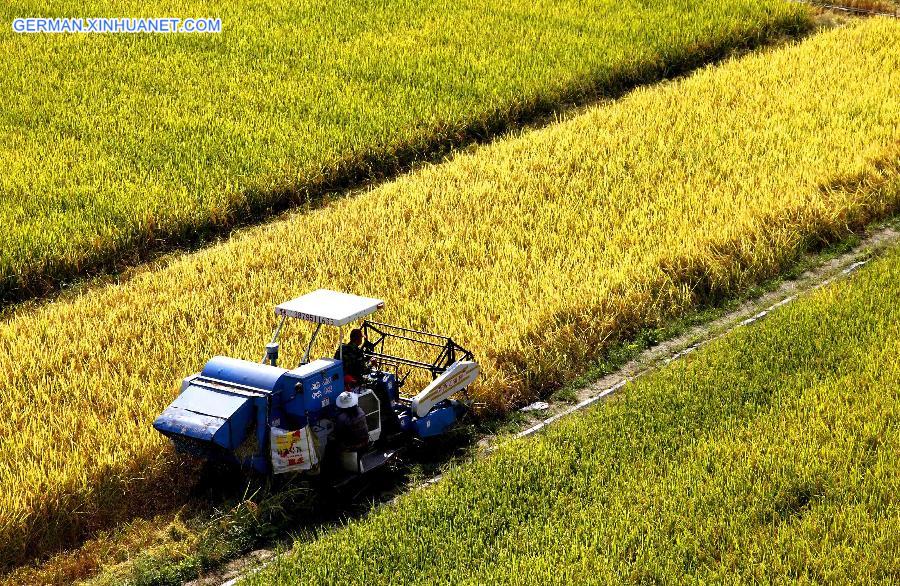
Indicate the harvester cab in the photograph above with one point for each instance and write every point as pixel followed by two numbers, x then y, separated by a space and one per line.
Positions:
pixel 272 420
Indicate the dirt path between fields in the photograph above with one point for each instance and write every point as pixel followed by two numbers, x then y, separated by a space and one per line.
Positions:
pixel 652 359
pixel 747 313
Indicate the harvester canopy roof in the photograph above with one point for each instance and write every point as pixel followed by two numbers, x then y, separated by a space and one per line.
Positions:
pixel 332 308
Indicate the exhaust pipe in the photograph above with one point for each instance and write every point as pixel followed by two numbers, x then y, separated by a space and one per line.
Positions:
pixel 272 353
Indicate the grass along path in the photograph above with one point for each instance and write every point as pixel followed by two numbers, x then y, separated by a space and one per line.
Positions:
pixel 116 145
pixel 767 456
pixel 538 252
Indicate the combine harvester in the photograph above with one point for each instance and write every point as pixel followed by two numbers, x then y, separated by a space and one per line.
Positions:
pixel 272 420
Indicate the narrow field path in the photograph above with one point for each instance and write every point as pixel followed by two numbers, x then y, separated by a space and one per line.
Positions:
pixel 748 312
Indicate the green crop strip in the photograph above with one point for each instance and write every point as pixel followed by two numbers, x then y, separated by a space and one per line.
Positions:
pixel 111 146
pixel 770 456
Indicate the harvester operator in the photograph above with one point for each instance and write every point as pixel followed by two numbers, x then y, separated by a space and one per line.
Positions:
pixel 354 359
pixel 350 428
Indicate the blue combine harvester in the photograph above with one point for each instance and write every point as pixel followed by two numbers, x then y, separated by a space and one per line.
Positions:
pixel 272 420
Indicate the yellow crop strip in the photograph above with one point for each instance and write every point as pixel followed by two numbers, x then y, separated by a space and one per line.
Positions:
pixel 535 251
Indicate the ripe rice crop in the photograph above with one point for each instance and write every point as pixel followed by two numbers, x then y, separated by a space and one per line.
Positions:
pixel 769 456
pixel 536 252
pixel 113 145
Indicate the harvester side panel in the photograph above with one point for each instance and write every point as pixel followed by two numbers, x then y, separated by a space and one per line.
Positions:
pixel 322 381
pixel 208 414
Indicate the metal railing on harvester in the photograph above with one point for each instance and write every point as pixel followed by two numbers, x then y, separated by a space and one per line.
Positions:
pixel 442 351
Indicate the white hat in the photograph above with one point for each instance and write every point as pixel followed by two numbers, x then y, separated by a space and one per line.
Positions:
pixel 347 399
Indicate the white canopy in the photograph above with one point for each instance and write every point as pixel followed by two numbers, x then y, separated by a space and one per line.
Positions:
pixel 329 307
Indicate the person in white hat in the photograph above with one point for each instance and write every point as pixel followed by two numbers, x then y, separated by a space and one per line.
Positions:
pixel 351 432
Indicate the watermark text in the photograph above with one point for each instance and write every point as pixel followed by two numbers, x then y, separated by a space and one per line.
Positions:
pixel 116 25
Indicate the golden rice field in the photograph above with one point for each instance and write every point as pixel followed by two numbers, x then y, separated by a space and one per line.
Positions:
pixel 112 145
pixel 535 251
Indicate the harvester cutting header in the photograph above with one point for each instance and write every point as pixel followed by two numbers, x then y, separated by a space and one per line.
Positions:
pixel 343 415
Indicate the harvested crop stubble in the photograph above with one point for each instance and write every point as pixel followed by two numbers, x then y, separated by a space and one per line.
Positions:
pixel 111 143
pixel 535 251
pixel 768 457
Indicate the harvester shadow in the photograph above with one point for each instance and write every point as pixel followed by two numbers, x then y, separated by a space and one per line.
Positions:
pixel 270 513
